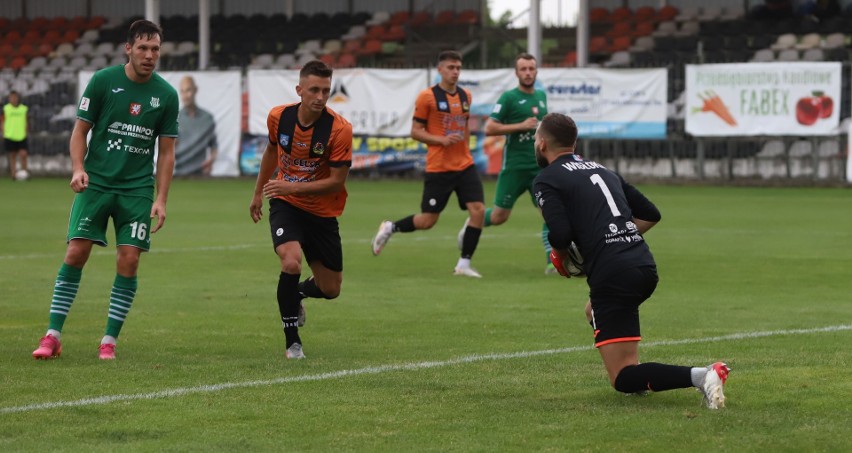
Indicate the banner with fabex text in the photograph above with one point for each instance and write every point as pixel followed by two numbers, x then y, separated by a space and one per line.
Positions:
pixel 791 98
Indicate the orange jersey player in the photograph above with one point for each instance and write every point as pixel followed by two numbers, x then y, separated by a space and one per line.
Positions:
pixel 441 116
pixel 310 153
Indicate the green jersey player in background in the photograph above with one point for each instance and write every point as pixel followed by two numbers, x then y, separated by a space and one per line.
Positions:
pixel 126 108
pixel 516 115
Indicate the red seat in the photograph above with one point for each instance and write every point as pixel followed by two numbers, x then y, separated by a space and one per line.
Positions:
pixel 467 16
pixel 642 29
pixel 597 44
pixel 394 33
pixel 13 37
pixel 570 59
pixel 44 49
pixel 94 23
pixel 328 59
pixel 58 23
pixel 620 43
pixel 375 32
pixel 26 50
pixel 18 63
pixel 40 23
pixel 371 47
pixel 620 14
pixel 445 17
pixel 667 13
pixel 597 15
pixel 619 29
pixel 52 37
pixel 420 18
pixel 70 35
pixel 644 13
pixel 346 60
pixel 352 45
pixel 399 18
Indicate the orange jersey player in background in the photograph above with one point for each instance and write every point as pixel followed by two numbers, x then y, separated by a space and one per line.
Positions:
pixel 441 116
pixel 310 153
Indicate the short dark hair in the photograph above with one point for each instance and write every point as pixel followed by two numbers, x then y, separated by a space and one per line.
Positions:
pixel 143 28
pixel 316 68
pixel 449 55
pixel 560 128
pixel 524 56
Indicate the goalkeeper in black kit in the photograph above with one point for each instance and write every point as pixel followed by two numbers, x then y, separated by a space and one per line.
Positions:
pixel 587 205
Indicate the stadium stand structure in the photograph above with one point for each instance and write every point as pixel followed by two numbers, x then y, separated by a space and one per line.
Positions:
pixel 40 58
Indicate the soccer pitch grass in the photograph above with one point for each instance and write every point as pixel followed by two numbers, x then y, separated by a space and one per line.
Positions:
pixel 411 358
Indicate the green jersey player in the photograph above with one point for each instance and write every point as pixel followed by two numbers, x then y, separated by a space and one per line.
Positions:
pixel 516 115
pixel 127 108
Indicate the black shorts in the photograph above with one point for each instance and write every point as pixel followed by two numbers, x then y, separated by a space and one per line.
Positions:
pixel 318 236
pixel 615 304
pixel 438 186
pixel 13 145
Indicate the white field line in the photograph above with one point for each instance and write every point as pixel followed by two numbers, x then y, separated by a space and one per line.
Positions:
pixel 170 393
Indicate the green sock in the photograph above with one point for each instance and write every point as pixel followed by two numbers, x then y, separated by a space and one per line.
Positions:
pixel 546 242
pixel 488 216
pixel 120 300
pixel 64 291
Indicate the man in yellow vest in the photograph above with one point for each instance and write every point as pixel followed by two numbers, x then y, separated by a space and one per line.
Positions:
pixel 14 126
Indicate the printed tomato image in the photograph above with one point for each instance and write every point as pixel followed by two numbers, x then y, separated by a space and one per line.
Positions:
pixel 810 109
pixel 827 106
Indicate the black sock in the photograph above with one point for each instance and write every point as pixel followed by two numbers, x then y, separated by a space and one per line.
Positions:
pixel 309 288
pixel 288 306
pixel 405 225
pixel 655 377
pixel 470 241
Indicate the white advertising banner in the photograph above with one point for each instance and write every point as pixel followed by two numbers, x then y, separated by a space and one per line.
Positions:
pixel 790 98
pixel 485 86
pixel 609 103
pixel 378 102
pixel 220 94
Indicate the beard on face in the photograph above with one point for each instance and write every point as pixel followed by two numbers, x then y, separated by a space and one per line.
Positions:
pixel 539 158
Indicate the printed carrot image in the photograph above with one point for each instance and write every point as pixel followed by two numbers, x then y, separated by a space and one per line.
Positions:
pixel 713 103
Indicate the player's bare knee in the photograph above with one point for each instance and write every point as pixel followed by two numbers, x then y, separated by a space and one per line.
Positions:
pixel 289 266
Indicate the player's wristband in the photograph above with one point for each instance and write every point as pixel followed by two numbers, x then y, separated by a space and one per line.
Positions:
pixel 557 263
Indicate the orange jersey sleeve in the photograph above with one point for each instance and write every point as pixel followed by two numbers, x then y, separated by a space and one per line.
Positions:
pixel 307 154
pixel 445 114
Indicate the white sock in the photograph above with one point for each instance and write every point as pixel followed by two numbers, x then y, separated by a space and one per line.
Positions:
pixel 463 263
pixel 54 333
pixel 108 340
pixel 697 374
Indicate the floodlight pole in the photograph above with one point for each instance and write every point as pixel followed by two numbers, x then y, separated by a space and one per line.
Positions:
pixel 152 11
pixel 203 34
pixel 583 34
pixel 534 30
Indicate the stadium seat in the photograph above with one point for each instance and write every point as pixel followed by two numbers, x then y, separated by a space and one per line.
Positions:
pixel 785 41
pixel 598 15
pixel 375 32
pixel 332 46
pixel 379 17
pixel 642 29
pixel 328 59
pixel 667 28
pixel 732 12
pixel 688 28
pixel 642 44
pixel 570 59
pixel 763 55
pixel 597 44
pixel 709 13
pixel 285 61
pixel 619 44
pixel 445 17
pixel 809 41
pixel 788 55
pixel 394 33
pixel 371 47
pixel 686 14
pixel 399 18
pixel 667 13
pixel 619 59
pixel 467 16
pixel 346 60
pixel 83 50
pixel 813 55
pixel 620 14
pixel 619 29
pixel 834 40
pixel 420 19
pixel 644 13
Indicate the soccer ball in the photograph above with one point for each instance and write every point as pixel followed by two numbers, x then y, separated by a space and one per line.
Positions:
pixel 22 175
pixel 574 262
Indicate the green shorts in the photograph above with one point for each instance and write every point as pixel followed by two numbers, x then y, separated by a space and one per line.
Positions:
pixel 511 184
pixel 131 217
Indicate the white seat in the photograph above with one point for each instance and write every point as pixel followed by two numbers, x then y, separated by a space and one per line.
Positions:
pixel 355 32
pixel 687 13
pixel 379 17
pixel 829 148
pixel 89 36
pixel 834 41
pixel 78 63
pixel 642 44
pixel 98 62
pixel 785 41
pixel 666 28
pixel 64 50
pixel 304 58
pixel 285 60
pixel 20 85
pixel 67 112
pixel 788 55
pixel 617 59
pixel 185 47
pixel 107 49
pixel 763 55
pixel 168 48
pixel 332 46
pixel 57 62
pixel 711 12
pixel 813 55
pixel 688 28
pixel 801 148
pixel 39 86
pixel 37 63
pixel 809 41
pixel 732 12
pixel 311 46
pixel 118 60
pixel 772 148
pixel 85 49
